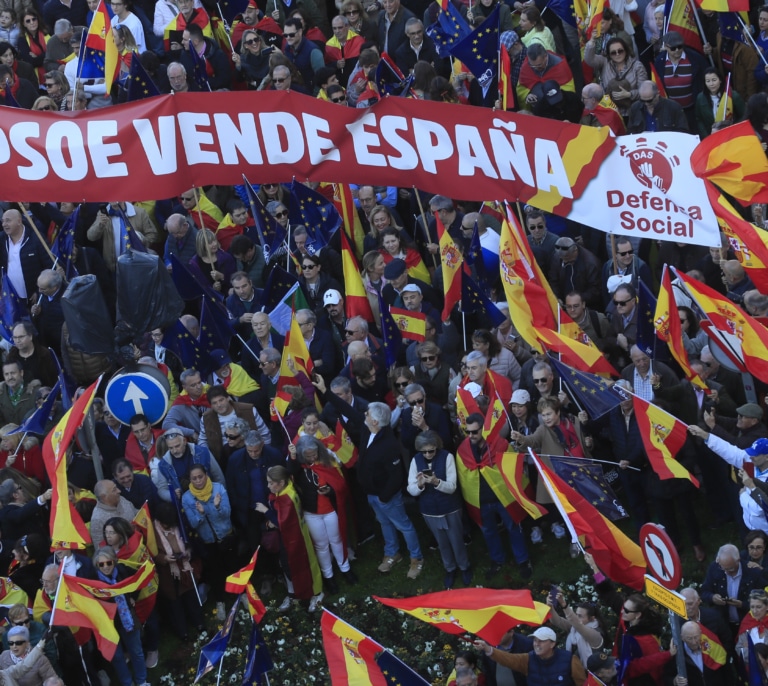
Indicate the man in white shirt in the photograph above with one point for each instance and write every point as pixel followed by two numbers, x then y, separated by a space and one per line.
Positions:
pixel 124 17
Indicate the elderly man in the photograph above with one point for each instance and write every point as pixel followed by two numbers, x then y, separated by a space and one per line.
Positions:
pixel 59 49
pixel 489 381
pixel 443 207
pixel 181 238
pixel 47 310
pixel 417 48
pixel 177 78
pixel 710 618
pixel 654 113
pixel 623 325
pixel 343 49
pixel 357 330
pixel 540 67
pixel 742 431
pixel 171 472
pixel 546 658
pixel 22 256
pixel 392 25
pixel 574 268
pixel 542 242
pixel 727 585
pixel 756 304
pixel 598 115
pixel 681 70
pixel 413 300
pixel 421 415
pixel 109 503
pixel 189 406
pixel 729 379
pixel 700 670
pixel 319 343
pixel 647 376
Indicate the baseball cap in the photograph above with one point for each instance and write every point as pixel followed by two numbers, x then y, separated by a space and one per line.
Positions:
pixel 394 269
pixel 544 633
pixel 598 661
pixel 520 397
pixel 219 358
pixel 411 288
pixel 750 410
pixel 552 92
pixel 473 388
pixel 331 297
pixel 759 447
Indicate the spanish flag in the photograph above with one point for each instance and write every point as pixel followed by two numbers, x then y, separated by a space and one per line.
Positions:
pixel 506 87
pixel 748 242
pixel 236 583
pixel 657 80
pixel 663 437
pixel 585 358
pixel 205 212
pixel 412 325
pixel 733 160
pixel 666 321
pixel 345 204
pixel 77 608
pixel 678 16
pixel 343 446
pixel 143 522
pixel 356 300
pixel 351 655
pixel 100 589
pixel 713 652
pixel 465 406
pixel 294 350
pixel 618 557
pixel 485 612
pixel 255 605
pixel 511 467
pixel 451 259
pixel 99 50
pixel 495 418
pixel 596 8
pixel 64 432
pixel 178 23
pixel 745 332
pixel 724 5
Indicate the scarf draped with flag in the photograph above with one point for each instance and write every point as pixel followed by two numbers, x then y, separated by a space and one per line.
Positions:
pixel 126 617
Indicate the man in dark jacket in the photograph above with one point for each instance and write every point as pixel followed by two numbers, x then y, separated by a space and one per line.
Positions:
pixel 699 670
pixel 392 20
pixel 496 674
pixel 574 268
pixel 135 488
pixel 32 258
pixel 654 113
pixel 420 416
pixel 303 52
pixel 216 64
pixel 681 70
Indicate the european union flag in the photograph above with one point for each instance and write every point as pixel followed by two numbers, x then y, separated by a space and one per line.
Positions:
pixel 10 98
pixel 449 28
pixel 594 393
pixel 389 79
pixel 474 258
pixel 271 234
pixel 187 285
pixel 128 238
pixel 278 284
pixel 479 51
pixel 630 650
pixel 231 8
pixel 139 85
pixel 12 309
pixel 199 69
pixel 212 652
pixel 66 394
pixel 259 660
pixel 564 10
pixel 730 26
pixel 318 214
pixel 35 423
pixel 588 480
pixel 647 340
pixel 390 334
pixel 396 672
pixel 64 246
pixel 474 300
pixel 181 342
pixel 215 327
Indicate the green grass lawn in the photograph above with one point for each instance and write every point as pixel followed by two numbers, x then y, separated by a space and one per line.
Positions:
pixel 294 637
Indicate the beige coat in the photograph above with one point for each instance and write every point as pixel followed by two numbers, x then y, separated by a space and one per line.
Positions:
pixel 102 229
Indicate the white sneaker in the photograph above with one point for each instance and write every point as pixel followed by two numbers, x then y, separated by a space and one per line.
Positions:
pixel 559 530
pixel 316 600
pixel 536 535
pixel 285 605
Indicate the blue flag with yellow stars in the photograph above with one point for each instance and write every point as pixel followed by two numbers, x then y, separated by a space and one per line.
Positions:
pixel 271 234
pixel 63 246
pixel 213 651
pixel 730 26
pixel 594 393
pixel 390 334
pixel 180 341
pixel 588 480
pixel 35 423
pixel 199 69
pixel 12 310
pixel 278 284
pixel 449 28
pixel 138 84
pixel 188 286
pixel 389 79
pixel 479 51
pixel 475 300
pixel 215 326
pixel 647 340
pixel 316 212
pixel 396 672
pixel 259 660
pixel 563 9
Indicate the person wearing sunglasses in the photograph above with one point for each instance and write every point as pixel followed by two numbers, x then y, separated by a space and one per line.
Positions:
pixel 490 382
pixel 623 331
pixel 129 650
pixel 574 268
pixel 486 497
pixel 343 49
pixel 421 415
pixel 252 64
pixel 432 480
pixel 625 264
pixel 653 113
pixel 431 373
pixel 619 72
pixel 20 651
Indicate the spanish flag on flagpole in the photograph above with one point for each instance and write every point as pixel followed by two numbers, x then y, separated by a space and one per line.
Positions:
pixel 141 578
pixel 351 655
pixel 356 300
pixel 236 582
pixel 484 612
pixel 618 557
pixel 465 406
pixel 657 80
pixel 585 358
pixel 99 50
pixel 143 522
pixel 511 468
pixel 412 325
pixel 451 260
pixel 345 204
pixel 663 437
pixel 666 321
pixel 295 349
pixel 506 87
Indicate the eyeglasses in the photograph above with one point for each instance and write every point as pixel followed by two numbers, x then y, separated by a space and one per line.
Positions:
pixel 648 101
pixel 428 451
pixel 627 611
pixel 540 381
pixel 473 432
pixel 51 85
pixel 31 20
pixel 251 41
pixel 624 253
pixel 429 358
pixel 307 267
pixel 350 13
pixel 756 547
pixel 349 333
pixel 621 303
pixel 674 47
pixel 537 226
pixel 284 213
pixel 230 437
pixel 16 643
pixel 564 248
pixel 573 307
pixel 420 401
pixel 280 80
pixel 185 198
pixel 269 185
pixel 616 52
pixel 402 384
pixel 289 35
pixel 22 622
pixel 341 99
pixel 107 563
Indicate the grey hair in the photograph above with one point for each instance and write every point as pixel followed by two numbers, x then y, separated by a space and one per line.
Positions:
pixel 299 230
pixel 62 26
pixel 380 413
pixel 253 438
pixel 412 22
pixel 341 383
pixel 187 373
pixel 426 438
pixel 414 388
pixel 728 551
pixel 309 314
pixel 272 207
pixel 105 551
pixel 240 425
pixel 360 322
pixel 272 354
pixel 542 367
pixel 441 202
pixel 477 356
pixel 179 65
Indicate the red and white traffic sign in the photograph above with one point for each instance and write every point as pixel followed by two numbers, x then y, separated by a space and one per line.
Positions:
pixel 661 555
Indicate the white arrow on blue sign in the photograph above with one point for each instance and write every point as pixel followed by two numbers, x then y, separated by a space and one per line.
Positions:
pixel 136 393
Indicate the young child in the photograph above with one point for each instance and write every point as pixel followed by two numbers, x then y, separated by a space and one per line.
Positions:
pixel 9 30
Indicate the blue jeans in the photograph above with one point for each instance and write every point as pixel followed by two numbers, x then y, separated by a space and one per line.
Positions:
pixel 130 642
pixel 393 518
pixel 488 513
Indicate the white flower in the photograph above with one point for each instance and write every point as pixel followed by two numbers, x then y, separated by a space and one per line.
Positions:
pixel 269 628
pixel 341 601
pixel 281 641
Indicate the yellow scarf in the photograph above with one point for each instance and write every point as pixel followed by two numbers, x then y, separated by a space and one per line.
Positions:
pixel 204 494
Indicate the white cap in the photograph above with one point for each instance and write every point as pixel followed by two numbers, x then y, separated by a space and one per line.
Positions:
pixel 614 281
pixel 474 388
pixel 544 633
pixel 520 397
pixel 331 297
pixel 411 288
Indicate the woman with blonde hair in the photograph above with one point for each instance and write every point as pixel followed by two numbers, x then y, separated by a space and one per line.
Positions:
pixel 212 266
pixel 380 218
pixel 44 104
pixel 374 281
pixel 359 21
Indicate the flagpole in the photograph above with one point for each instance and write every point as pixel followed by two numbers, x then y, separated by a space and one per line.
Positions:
pixel 56 596
pixel 701 29
pixel 253 212
pixel 221 666
pixel 194 584
pixel 34 228
pixel 226 27
pixel 752 40
pixel 553 495
pixel 590 459
pixel 725 97
pixel 255 356
pixel 424 226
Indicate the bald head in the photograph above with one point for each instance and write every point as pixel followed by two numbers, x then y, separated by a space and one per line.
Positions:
pixel 177 226
pixel 357 349
pixel 12 224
